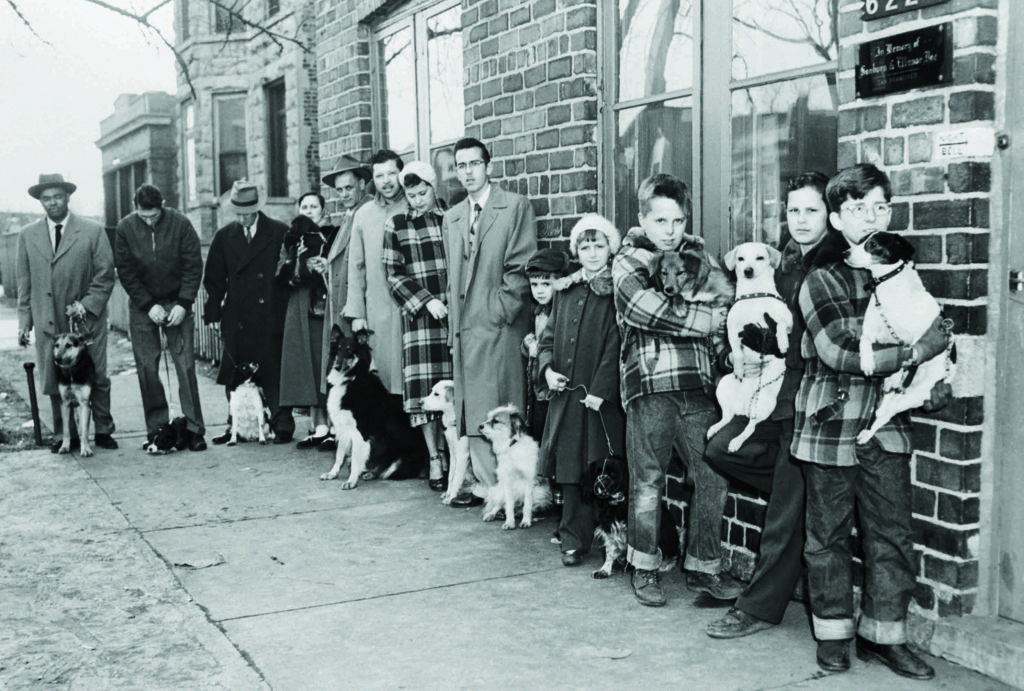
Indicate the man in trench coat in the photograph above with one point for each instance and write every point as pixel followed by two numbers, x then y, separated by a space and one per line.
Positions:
pixel 489 238
pixel 244 296
pixel 66 260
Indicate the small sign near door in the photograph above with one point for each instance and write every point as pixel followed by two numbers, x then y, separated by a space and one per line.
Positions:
pixel 876 9
pixel 905 61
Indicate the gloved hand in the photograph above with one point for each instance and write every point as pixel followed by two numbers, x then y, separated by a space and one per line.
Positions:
pixel 760 339
pixel 556 381
pixel 158 315
pixel 592 402
pixel 176 315
pixel 23 338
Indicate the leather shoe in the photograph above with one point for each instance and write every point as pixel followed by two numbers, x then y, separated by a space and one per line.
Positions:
pixel 647 588
pixel 735 624
pixel 572 557
pixel 222 438
pixel 897 657
pixel 105 441
pixel 311 441
pixel 56 443
pixel 721 585
pixel 282 437
pixel 328 444
pixel 465 501
pixel 834 656
pixel 197 444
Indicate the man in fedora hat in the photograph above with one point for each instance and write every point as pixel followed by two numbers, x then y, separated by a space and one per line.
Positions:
pixel 65 265
pixel 247 301
pixel 348 178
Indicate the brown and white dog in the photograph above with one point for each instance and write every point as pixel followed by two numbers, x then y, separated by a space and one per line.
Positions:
pixel 517 454
pixel 753 386
pixel 900 311
pixel 76 374
pixel 442 399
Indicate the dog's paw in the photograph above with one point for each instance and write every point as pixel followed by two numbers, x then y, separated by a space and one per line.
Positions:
pixel 231 442
pixel 447 498
pixel 734 445
pixel 864 436
pixel 64 448
pixel 601 573
pixel 263 442
pixel 508 525
pixel 329 476
pixel 525 523
pixel 85 452
pixel 348 484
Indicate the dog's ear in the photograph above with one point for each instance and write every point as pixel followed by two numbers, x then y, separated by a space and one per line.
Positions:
pixel 902 249
pixel 449 392
pixel 516 423
pixel 336 339
pixel 730 259
pixel 774 256
pixel 656 263
pixel 363 337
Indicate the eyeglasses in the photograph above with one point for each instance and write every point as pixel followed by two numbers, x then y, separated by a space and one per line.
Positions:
pixel 859 210
pixel 466 165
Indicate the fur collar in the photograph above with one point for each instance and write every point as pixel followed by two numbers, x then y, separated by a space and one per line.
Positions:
pixel 830 250
pixel 636 238
pixel 601 282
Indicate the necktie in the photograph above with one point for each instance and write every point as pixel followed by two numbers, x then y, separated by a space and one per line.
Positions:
pixel 474 226
pixel 248 234
pixel 56 236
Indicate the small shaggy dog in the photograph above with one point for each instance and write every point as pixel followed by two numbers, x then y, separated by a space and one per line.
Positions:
pixel 76 373
pixel 250 417
pixel 605 485
pixel 396 451
pixel 692 275
pixel 517 454
pixel 442 399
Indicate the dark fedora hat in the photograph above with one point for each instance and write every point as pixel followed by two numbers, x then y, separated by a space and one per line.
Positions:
pixel 345 164
pixel 245 197
pixel 48 180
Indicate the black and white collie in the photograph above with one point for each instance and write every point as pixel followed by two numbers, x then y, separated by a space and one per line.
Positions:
pixel 371 428
pixel 250 416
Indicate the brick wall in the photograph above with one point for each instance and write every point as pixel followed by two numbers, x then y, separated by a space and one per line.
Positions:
pixel 942 206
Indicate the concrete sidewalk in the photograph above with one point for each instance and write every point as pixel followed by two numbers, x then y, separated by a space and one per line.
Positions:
pixel 237 568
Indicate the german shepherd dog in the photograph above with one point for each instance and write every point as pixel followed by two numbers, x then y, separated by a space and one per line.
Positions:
pixel 76 374
pixel 396 450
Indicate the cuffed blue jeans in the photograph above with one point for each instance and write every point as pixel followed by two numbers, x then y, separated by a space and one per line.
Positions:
pixel 654 425
pixel 879 489
pixel 145 337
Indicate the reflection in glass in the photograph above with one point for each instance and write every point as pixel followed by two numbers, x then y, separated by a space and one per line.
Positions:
pixel 655 47
pixel 777 35
pixel 398 89
pixel 231 141
pixel 444 65
pixel 656 138
pixel 448 186
pixel 778 131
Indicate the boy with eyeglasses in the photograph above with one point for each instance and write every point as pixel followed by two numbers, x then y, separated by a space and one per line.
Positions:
pixel 835 402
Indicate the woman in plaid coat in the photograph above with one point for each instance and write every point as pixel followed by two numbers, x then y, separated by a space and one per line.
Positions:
pixel 417 273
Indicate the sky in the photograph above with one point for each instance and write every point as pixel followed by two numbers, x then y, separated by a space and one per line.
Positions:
pixel 55 95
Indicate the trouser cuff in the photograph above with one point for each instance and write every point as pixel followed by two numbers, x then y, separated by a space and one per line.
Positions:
pixel 691 563
pixel 833 629
pixel 883 632
pixel 643 560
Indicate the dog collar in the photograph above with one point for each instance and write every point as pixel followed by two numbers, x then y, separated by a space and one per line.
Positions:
pixel 875 282
pixel 760 295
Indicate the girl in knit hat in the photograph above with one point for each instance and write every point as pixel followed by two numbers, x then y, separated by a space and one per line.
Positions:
pixel 579 368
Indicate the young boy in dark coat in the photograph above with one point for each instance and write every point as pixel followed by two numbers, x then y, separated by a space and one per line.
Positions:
pixel 578 364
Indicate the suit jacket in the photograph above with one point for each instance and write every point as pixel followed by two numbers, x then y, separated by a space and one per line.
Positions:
pixel 82 269
pixel 244 295
pixel 337 289
pixel 488 292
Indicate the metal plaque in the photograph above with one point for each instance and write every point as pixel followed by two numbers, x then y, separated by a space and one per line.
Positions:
pixel 905 61
pixel 875 9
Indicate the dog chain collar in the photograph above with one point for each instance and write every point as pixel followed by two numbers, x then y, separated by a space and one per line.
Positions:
pixel 875 282
pixel 751 296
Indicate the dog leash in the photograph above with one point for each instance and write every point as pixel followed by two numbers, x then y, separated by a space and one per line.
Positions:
pixel 600 416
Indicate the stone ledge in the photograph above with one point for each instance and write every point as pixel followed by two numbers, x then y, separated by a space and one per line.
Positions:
pixel 989 645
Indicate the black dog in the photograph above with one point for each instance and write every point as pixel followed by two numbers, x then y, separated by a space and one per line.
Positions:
pixel 397 451
pixel 605 485
pixel 171 436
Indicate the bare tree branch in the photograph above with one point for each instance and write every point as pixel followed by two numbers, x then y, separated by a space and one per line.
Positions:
pixel 26 22
pixel 274 36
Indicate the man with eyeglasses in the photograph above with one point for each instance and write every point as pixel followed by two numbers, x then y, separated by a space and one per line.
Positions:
pixel 159 264
pixel 836 400
pixel 489 237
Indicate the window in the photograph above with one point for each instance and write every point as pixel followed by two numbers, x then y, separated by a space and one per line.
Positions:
pixel 273 7
pixel 420 118
pixel 734 118
pixel 226 18
pixel 119 190
pixel 277 140
pixel 183 19
pixel 230 140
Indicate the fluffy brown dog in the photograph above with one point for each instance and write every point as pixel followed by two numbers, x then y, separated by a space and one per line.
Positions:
pixel 517 454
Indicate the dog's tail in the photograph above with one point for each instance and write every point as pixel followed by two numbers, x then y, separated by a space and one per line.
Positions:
pixel 541 496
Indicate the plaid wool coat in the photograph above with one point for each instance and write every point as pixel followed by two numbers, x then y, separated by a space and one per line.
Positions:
pixel 833 300
pixel 417 271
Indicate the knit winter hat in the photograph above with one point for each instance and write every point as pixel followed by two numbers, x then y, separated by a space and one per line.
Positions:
pixel 594 222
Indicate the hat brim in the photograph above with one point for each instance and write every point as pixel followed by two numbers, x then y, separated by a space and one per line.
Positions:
pixel 361 172
pixel 261 200
pixel 36 191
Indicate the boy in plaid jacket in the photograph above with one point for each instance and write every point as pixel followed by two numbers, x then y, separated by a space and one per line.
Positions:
pixel 665 375
pixel 836 401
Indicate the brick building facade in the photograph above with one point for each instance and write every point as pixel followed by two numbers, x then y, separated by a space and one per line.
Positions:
pixel 579 100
